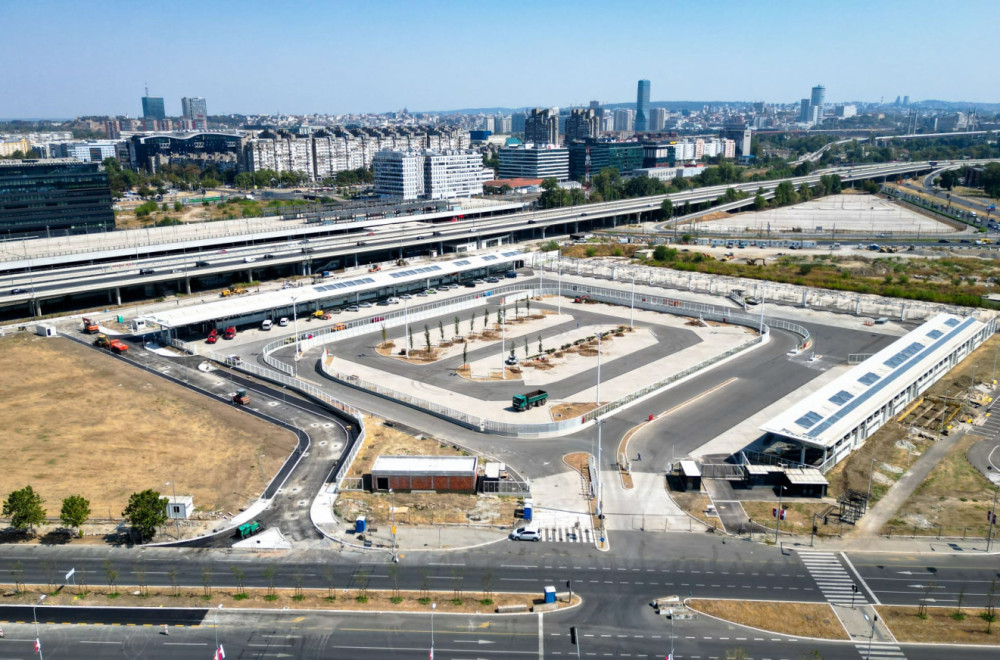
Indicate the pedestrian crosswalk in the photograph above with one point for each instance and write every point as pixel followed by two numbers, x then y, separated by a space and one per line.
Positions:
pixel 566 534
pixel 880 651
pixel 832 579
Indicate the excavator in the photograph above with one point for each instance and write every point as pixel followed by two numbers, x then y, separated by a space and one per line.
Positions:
pixel 90 327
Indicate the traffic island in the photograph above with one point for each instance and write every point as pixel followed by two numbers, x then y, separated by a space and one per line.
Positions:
pixel 817 620
pixel 356 598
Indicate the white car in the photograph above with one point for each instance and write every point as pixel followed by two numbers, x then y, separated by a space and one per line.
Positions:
pixel 405 296
pixel 283 321
pixel 525 534
pixel 266 324
pixel 392 300
pixel 365 304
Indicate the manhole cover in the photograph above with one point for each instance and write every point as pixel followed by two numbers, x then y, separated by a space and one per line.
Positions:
pixel 303 502
pixel 328 425
pixel 314 424
pixel 272 403
pixel 322 443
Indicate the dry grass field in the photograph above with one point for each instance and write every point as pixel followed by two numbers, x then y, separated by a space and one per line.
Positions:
pixel 805 619
pixel 941 625
pixel 76 421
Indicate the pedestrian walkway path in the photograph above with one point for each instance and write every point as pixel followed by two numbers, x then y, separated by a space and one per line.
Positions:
pixel 566 534
pixel 832 578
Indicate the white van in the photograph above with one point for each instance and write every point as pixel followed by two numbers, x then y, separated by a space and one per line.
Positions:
pixel 267 324
pixel 283 321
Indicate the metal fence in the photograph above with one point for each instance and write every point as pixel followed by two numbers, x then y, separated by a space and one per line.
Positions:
pixel 506 487
pixel 856 304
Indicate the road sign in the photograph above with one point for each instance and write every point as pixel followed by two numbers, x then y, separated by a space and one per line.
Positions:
pixel 71 573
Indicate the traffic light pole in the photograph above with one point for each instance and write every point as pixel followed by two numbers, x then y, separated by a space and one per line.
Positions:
pixel 993 519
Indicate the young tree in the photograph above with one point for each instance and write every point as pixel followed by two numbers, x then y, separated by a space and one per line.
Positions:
pixel 145 512
pixel 539 344
pixel 499 317
pixel 666 210
pixel 24 507
pixel 384 333
pixel 75 512
pixel 411 339
pixel 441 329
pixel 527 306
pixel 112 574
pixel 465 354
pixel 486 318
pixel 456 325
pixel 472 322
pixel 427 338
pixel 525 348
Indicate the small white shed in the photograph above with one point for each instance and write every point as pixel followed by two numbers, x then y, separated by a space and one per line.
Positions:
pixel 180 506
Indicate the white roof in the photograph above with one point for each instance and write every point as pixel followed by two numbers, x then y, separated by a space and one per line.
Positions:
pixel 180 499
pixel 435 465
pixel 825 416
pixel 805 477
pixel 690 469
pixel 329 288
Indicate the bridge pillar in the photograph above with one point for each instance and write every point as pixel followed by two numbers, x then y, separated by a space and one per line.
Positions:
pixel 249 275
pixel 857 306
pixel 36 307
pixel 805 303
pixel 576 227
pixel 118 295
pixel 902 311
pixel 187 285
pixel 802 455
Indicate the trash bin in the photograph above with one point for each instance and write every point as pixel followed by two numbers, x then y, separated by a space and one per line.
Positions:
pixel 550 594
pixel 528 506
pixel 360 525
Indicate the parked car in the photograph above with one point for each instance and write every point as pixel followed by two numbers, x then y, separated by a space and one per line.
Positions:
pixel 405 296
pixel 266 324
pixel 365 304
pixel 525 534
pixel 392 300
pixel 492 280
pixel 230 332
pixel 283 322
pixel 470 285
pixel 511 274
pixel 353 308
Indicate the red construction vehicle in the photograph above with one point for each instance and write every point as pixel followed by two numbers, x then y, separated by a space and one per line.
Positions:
pixel 241 398
pixel 90 327
pixel 212 337
pixel 113 345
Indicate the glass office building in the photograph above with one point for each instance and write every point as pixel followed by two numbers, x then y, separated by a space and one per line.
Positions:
pixel 52 197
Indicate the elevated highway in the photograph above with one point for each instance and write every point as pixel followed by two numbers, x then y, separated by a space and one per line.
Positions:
pixel 138 264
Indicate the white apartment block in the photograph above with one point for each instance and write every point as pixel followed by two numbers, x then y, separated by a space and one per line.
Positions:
pixel 453 174
pixel 398 174
pixel 409 175
pixel 534 163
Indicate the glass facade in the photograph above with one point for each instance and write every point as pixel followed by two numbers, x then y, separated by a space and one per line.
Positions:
pixel 625 156
pixel 46 197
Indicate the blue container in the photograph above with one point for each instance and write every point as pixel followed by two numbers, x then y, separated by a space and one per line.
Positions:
pixel 360 524
pixel 550 594
pixel 528 506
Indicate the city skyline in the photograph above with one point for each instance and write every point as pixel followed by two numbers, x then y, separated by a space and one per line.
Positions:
pixel 238 70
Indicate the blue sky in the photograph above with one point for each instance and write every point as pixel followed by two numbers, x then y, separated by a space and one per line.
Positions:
pixel 62 58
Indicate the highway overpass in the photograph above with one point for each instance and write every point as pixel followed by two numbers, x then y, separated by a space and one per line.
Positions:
pixel 119 267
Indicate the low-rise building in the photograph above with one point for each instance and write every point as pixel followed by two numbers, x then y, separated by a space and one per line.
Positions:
pixel 534 163
pixel 438 473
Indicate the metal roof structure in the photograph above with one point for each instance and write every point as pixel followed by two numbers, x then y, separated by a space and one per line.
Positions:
pixel 342 287
pixel 805 477
pixel 425 465
pixel 827 415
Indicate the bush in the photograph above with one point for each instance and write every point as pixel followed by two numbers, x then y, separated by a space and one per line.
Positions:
pixel 591 252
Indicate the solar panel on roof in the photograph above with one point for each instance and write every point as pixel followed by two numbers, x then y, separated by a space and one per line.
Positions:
pixel 951 323
pixel 934 334
pixel 841 397
pixel 489 257
pixel 868 379
pixel 809 419
pixel 463 262
pixel 904 355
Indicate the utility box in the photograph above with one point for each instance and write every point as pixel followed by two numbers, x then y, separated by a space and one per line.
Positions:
pixel 360 525
pixel 45 330
pixel 550 594
pixel 528 506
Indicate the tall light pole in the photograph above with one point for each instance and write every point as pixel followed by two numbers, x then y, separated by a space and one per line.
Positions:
pixel 406 325
pixel 177 521
pixel 597 491
pixel 993 520
pixel 217 627
pixel 871 635
pixel 392 516
pixel 558 285
pixel 777 518
pixel 38 640
pixel 433 607
pixel 295 327
pixel 631 317
pixel 503 342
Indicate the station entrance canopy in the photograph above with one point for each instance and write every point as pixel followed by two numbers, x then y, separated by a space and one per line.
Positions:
pixel 402 279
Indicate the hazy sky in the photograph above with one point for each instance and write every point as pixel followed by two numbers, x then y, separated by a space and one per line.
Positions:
pixel 64 58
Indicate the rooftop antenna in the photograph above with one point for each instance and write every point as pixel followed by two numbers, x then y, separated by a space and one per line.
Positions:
pixel 147 88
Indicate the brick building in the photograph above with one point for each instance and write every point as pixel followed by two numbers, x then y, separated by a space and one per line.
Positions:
pixel 441 473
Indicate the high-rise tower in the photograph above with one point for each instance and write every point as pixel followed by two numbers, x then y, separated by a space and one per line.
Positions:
pixel 642 107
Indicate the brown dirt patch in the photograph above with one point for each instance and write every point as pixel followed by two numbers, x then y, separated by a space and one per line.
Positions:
pixel 695 504
pixel 306 599
pixel 416 508
pixel 953 500
pixel 798 516
pixel 562 411
pixel 74 416
pixel 803 619
pixel 939 625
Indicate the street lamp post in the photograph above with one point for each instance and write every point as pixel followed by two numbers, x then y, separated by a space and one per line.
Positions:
pixel 558 285
pixel 631 318
pixel 433 607
pixel 38 640
pixel 295 327
pixel 177 521
pixel 217 627
pixel 406 327
pixel 597 491
pixel 993 520
pixel 777 518
pixel 871 635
